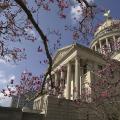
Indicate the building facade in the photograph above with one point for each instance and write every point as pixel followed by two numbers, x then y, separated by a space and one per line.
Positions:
pixel 74 65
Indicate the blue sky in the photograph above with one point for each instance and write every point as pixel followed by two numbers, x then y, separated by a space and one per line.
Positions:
pixel 32 64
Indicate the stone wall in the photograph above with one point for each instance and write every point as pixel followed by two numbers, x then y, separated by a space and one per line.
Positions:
pixel 63 109
pixel 59 109
pixel 31 116
pixel 17 114
pixel 8 113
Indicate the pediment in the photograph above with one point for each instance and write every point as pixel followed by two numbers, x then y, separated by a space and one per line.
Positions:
pixel 61 53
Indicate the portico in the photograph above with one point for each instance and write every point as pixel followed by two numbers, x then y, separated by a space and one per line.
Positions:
pixel 70 65
pixel 72 74
pixel 71 77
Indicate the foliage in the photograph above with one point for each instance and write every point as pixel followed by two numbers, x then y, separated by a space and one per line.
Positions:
pixel 28 86
pixel 14 27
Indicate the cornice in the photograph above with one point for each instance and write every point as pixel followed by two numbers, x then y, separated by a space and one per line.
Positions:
pixel 78 47
pixel 116 32
pixel 61 59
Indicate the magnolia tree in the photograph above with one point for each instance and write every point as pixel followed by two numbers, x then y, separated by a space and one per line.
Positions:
pixel 29 84
pixel 14 27
pixel 101 98
pixel 25 90
pixel 105 91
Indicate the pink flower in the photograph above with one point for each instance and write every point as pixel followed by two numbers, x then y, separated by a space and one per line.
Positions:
pixel 104 94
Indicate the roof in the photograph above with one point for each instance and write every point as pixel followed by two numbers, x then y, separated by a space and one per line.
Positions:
pixel 63 52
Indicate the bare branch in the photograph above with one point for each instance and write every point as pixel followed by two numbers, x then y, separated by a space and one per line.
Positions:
pixel 43 37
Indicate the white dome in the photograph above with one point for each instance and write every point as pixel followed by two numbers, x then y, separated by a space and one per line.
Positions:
pixel 107 24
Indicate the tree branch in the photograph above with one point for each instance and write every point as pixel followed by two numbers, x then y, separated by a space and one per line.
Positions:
pixel 86 3
pixel 42 35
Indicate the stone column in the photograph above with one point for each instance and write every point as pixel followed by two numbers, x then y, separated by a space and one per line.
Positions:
pixel 89 80
pixel 115 43
pixel 56 83
pixel 46 85
pixel 68 85
pixel 72 84
pixel 107 43
pixel 34 105
pixel 100 46
pixel 39 103
pixel 62 83
pixel 95 48
pixel 80 86
pixel 62 74
pixel 56 79
pixel 62 78
pixel 77 78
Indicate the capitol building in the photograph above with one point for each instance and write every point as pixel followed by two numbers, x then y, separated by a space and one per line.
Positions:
pixel 73 70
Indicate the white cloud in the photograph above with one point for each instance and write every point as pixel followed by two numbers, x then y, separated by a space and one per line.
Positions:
pixel 2 61
pixel 76 12
pixel 5 101
pixel 2 74
pixel 4 79
pixel 2 96
pixel 11 77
